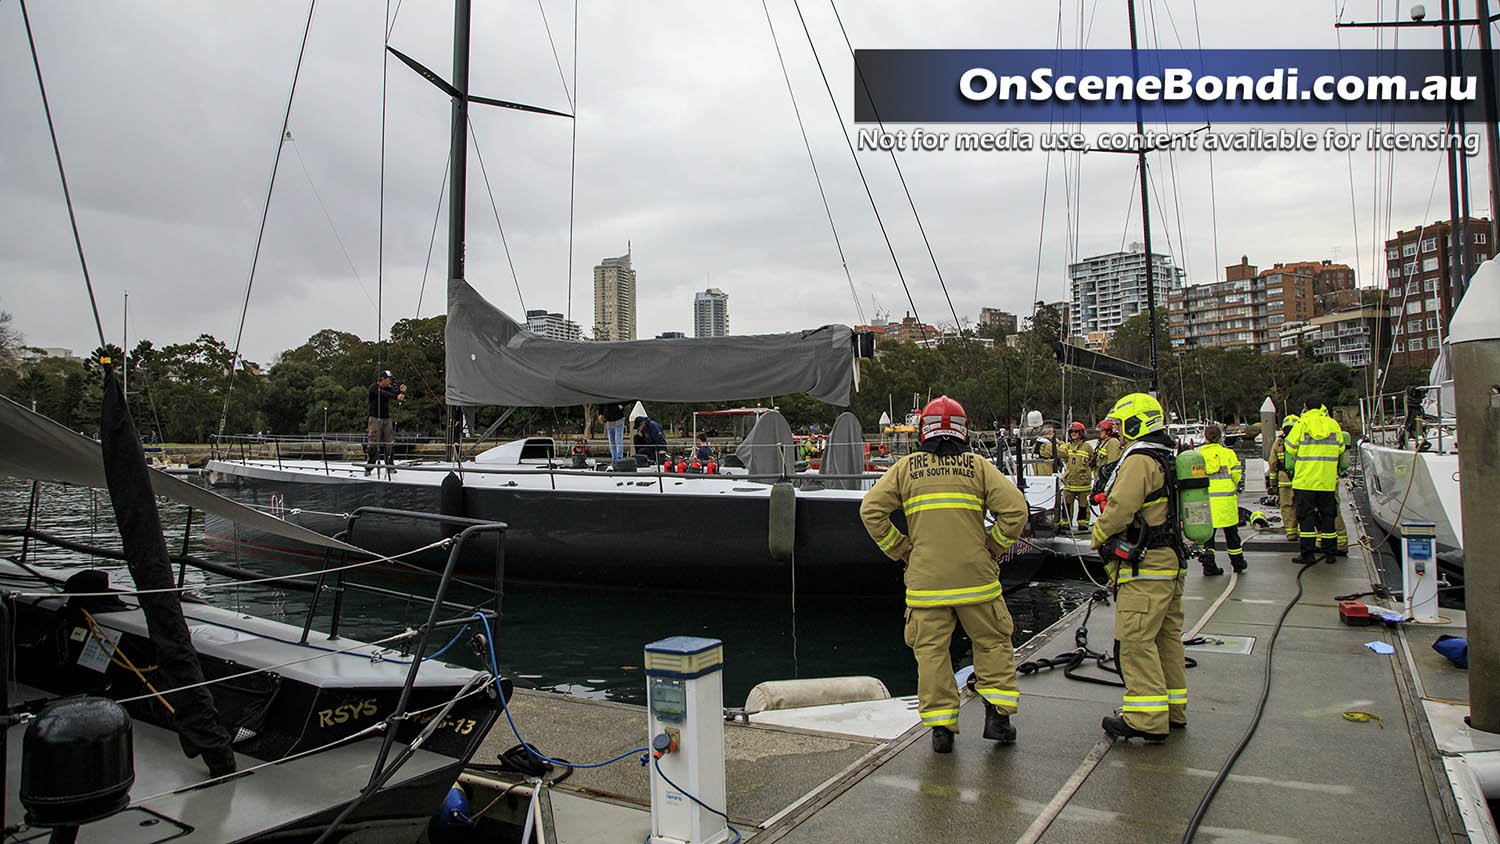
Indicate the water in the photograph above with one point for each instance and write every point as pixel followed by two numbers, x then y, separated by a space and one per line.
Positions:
pixel 580 640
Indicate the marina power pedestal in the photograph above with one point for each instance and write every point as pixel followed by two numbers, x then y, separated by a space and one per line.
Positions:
pixel 1419 576
pixel 685 705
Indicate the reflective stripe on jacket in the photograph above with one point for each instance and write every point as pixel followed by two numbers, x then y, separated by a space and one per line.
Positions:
pixel 1224 473
pixel 1312 451
pixel 1078 471
pixel 944 498
pixel 1137 476
pixel 1109 451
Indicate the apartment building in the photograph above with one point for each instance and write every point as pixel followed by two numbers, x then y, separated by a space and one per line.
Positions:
pixel 552 325
pixel 1421 294
pixel 1247 309
pixel 1109 289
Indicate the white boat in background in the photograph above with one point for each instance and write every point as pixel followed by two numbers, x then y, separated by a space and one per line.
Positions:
pixel 1409 456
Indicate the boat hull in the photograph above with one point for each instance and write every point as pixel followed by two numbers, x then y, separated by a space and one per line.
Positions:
pixel 614 531
pixel 1406 486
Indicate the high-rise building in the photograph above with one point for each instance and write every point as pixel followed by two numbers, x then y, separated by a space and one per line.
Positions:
pixel 552 325
pixel 671 335
pixel 711 313
pixel 1109 289
pixel 614 299
pixel 996 318
pixel 1420 297
pixel 1247 309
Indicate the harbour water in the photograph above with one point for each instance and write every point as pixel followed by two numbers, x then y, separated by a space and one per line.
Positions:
pixel 580 640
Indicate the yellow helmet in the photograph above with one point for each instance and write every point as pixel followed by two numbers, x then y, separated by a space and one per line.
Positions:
pixel 1289 421
pixel 1138 414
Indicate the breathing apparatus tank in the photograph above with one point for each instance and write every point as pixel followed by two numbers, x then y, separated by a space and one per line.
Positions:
pixel 1192 497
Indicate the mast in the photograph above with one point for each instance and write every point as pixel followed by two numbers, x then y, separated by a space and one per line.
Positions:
pixel 1491 114
pixel 458 140
pixel 1140 135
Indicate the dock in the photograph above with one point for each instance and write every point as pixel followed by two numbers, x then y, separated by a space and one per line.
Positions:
pixel 1308 774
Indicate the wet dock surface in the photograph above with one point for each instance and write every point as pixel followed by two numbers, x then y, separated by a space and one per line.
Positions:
pixel 1308 774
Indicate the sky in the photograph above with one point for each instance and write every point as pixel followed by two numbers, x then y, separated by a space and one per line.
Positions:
pixel 688 152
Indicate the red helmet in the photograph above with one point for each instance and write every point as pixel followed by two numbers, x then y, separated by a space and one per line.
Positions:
pixel 1108 426
pixel 944 417
pixel 1076 426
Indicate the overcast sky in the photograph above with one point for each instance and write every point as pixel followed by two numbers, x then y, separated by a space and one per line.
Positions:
pixel 168 116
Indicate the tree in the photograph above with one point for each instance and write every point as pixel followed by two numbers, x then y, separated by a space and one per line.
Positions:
pixel 10 343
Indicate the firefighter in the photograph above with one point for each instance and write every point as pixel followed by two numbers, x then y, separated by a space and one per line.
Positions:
pixel 1224 476
pixel 1313 449
pixel 1284 478
pixel 1139 534
pixel 952 573
pixel 1047 451
pixel 1109 444
pixel 1077 478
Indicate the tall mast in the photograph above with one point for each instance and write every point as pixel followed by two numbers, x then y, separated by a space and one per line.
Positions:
pixel 459 140
pixel 1140 135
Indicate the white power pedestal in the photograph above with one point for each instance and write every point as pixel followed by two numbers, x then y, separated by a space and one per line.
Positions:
pixel 685 702
pixel 1419 576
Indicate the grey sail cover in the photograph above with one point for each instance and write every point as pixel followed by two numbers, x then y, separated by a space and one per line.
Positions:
pixel 769 449
pixel 492 359
pixel 844 453
pixel 33 446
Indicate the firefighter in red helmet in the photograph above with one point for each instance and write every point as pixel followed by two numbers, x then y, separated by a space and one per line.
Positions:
pixel 952 572
pixel 1077 477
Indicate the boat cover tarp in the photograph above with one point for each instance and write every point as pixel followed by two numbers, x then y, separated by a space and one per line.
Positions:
pixel 769 449
pixel 33 446
pixel 844 453
pixel 492 359
pixel 179 673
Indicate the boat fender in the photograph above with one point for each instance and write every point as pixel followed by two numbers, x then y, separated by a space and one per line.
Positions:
pixel 782 522
pixel 813 691
pixel 451 502
pixel 452 821
pixel 77 762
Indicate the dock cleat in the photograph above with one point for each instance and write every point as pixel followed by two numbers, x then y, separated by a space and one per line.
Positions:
pixel 997 725
pixel 942 740
pixel 1117 727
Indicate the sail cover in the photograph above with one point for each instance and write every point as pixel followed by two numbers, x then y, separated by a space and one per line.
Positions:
pixel 33 446
pixel 844 453
pixel 492 359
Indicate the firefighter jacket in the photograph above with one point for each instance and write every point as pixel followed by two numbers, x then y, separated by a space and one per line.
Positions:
pixel 1224 474
pixel 1078 466
pixel 1047 451
pixel 1138 486
pixel 1109 451
pixel 1312 451
pixel 1278 454
pixel 950 556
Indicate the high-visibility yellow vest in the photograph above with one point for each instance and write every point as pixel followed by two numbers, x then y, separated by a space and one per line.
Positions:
pixel 1224 473
pixel 1312 451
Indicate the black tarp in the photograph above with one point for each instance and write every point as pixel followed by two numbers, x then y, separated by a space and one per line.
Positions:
pixel 844 453
pixel 194 717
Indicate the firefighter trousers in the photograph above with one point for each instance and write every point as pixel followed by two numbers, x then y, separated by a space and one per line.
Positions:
pixel 1287 501
pixel 1148 634
pixel 1317 515
pixel 929 630
pixel 1075 502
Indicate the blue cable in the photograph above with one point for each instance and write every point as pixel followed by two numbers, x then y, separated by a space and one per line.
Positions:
pixel 656 763
pixel 495 668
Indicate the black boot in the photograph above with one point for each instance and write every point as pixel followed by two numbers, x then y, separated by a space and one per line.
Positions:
pixel 1116 726
pixel 942 740
pixel 1210 569
pixel 1237 562
pixel 997 726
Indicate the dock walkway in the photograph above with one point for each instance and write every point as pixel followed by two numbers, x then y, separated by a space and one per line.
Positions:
pixel 1308 774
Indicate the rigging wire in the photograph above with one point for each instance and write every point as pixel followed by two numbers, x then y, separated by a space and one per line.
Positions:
pixel 1213 199
pixel 62 174
pixel 432 241
pixel 864 85
pixel 265 212
pixel 866 182
pixel 573 160
pixel 827 210
pixel 374 303
pixel 496 209
pixel 553 44
pixel 1036 285
pixel 385 66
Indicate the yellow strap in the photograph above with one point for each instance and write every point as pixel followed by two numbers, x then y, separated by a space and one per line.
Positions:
pixel 1362 716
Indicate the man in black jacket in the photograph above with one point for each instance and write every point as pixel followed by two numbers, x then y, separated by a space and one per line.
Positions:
pixel 381 434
